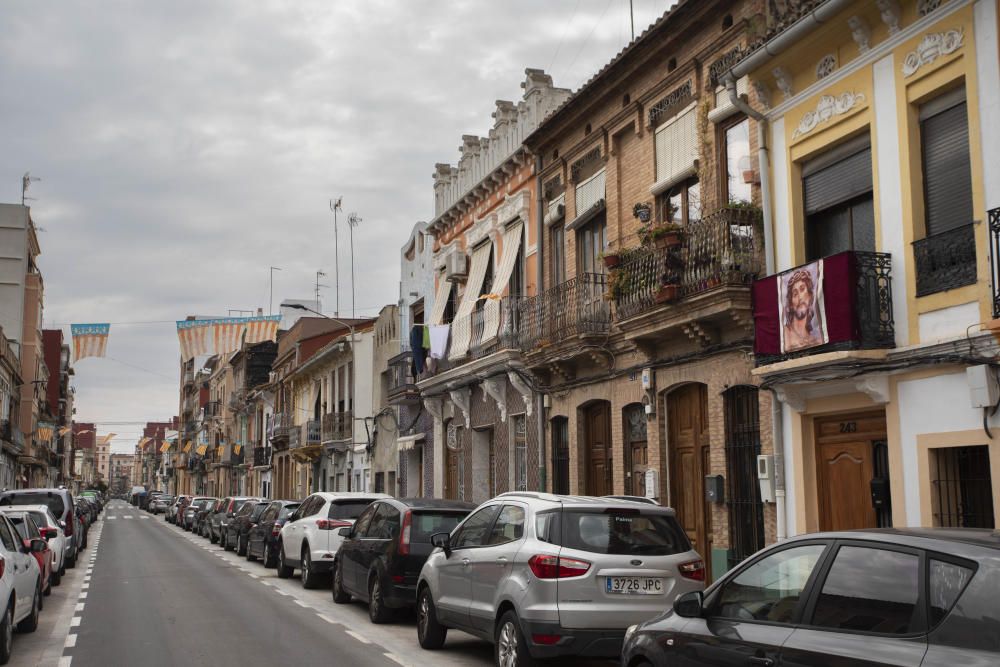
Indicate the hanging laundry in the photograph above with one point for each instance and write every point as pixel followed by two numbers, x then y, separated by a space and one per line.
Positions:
pixel 439 340
pixel 417 350
pixel 427 337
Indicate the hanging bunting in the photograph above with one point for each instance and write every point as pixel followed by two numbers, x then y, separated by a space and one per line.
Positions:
pixel 44 432
pixel 106 440
pixel 237 449
pixel 262 328
pixel 142 442
pixel 64 430
pixel 201 450
pixel 89 340
pixel 224 335
pixel 194 337
pixel 187 447
pixel 164 447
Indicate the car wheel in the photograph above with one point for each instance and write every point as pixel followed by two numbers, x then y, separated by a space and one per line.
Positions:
pixel 71 561
pixel 340 596
pixel 30 624
pixel 7 635
pixel 246 550
pixel 430 632
pixel 310 579
pixel 226 546
pixel 211 536
pixel 56 577
pixel 241 548
pixel 268 556
pixel 284 571
pixel 509 647
pixel 377 611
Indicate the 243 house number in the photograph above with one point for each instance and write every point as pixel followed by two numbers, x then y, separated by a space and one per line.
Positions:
pixel 848 427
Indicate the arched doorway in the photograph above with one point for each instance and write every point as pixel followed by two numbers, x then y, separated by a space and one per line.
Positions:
pixel 597 448
pixel 688 460
pixel 634 428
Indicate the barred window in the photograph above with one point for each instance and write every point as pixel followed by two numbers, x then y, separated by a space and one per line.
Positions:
pixel 520 454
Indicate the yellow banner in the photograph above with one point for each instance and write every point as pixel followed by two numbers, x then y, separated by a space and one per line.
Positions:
pixel 44 433
pixel 143 442
pixel 218 451
pixel 201 450
pixel 187 446
pixel 237 449
pixel 64 430
pixel 164 447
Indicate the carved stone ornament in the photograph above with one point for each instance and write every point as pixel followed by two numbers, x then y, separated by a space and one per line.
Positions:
pixel 890 13
pixel 931 47
pixel 512 207
pixel 861 32
pixel 925 7
pixel 462 397
pixel 523 389
pixel 763 94
pixel 434 406
pixel 825 66
pixel 784 80
pixel 827 107
pixel 493 387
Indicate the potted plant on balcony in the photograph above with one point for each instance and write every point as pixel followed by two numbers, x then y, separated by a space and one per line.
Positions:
pixel 611 259
pixel 618 284
pixel 670 288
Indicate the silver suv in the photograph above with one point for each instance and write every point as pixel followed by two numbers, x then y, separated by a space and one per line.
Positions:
pixel 541 575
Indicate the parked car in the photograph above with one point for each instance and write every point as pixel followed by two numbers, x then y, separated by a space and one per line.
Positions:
pixel 176 509
pixel 542 576
pixel 90 507
pixel 83 527
pixel 204 515
pixel 239 527
pixel 28 531
pixel 60 501
pixel 262 540
pixel 381 555
pixel 51 531
pixel 160 504
pixel 219 521
pixel 188 517
pixel 903 596
pixel 94 496
pixel 20 586
pixel 312 536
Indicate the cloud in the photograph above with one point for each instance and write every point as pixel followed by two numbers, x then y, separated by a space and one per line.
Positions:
pixel 185 147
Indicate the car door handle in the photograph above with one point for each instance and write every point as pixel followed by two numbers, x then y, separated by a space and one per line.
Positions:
pixel 501 560
pixel 465 562
pixel 761 661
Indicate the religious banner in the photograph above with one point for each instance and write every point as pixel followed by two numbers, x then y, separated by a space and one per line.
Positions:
pixel 801 310
pixel 89 340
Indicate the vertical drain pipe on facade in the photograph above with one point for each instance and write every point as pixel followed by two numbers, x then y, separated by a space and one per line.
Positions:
pixel 539 287
pixel 764 166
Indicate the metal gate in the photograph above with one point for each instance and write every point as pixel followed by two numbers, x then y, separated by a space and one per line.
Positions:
pixel 746 511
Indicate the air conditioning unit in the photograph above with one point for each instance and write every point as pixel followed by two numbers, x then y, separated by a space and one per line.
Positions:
pixel 456 266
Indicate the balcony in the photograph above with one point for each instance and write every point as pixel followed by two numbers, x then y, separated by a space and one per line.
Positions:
pixel 188 377
pixel 994 217
pixel 338 427
pixel 213 409
pixel 946 260
pixel 13 439
pixel 279 430
pixel 565 313
pixel 262 457
pixel 294 436
pixel 402 383
pixel 312 432
pixel 857 295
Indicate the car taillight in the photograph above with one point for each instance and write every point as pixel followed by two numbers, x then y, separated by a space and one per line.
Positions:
pixel 546 640
pixel 694 570
pixel 69 527
pixel 331 524
pixel 276 529
pixel 404 535
pixel 554 567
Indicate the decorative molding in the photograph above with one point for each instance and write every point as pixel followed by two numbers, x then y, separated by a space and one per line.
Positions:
pixel 931 47
pixel 435 406
pixel 825 66
pixel 462 397
pixel 494 387
pixel 724 64
pixel 513 206
pixel 925 7
pixel 589 158
pixel 890 13
pixel 763 94
pixel 791 397
pixel 861 32
pixel 783 78
pixel 827 107
pixel 876 387
pixel 523 389
pixel 678 98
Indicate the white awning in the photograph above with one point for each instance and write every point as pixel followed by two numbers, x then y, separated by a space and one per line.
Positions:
pixel 511 249
pixel 440 299
pixel 461 327
pixel 407 442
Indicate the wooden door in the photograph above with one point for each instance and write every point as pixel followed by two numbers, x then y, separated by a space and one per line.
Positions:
pixel 598 444
pixel 688 460
pixel 451 473
pixel 844 469
pixel 635 450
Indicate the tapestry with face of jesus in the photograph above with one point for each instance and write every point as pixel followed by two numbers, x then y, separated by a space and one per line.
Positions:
pixel 800 308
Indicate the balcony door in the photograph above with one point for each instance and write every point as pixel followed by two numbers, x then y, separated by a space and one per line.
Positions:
pixel 837 194
pixel 597 425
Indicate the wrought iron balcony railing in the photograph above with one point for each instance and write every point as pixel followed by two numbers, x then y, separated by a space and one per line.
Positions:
pixel 312 432
pixel 994 218
pixel 262 456
pixel 724 248
pixel 213 409
pixel 491 327
pixel 575 307
pixel 338 426
pixel 279 427
pixel 945 260
pixel 402 383
pixel 294 436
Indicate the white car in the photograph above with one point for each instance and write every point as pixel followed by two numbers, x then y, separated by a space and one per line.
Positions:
pixel 310 539
pixel 20 586
pixel 49 526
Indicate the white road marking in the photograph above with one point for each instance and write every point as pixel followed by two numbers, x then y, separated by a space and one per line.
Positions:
pixel 363 640
pixel 75 621
pixel 396 659
pixel 302 604
pixel 80 606
pixel 66 661
pixel 83 596
pixel 70 641
pixel 328 619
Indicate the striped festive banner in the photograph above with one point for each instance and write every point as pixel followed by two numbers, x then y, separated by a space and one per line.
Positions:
pixel 224 335
pixel 237 449
pixel 187 446
pixel 142 442
pixel 194 337
pixel 89 340
pixel 64 430
pixel 218 451
pixel 228 334
pixel 44 432
pixel 164 447
pixel 260 329
pixel 201 450
pixel 106 439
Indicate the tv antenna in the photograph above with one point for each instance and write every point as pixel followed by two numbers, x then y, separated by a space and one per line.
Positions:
pixel 335 205
pixel 353 220
pixel 26 182
pixel 319 274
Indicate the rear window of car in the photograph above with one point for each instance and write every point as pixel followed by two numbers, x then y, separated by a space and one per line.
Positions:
pixel 425 524
pixel 40 519
pixel 613 532
pixel 348 510
pixel 257 511
pixel 287 510
pixel 239 503
pixel 54 502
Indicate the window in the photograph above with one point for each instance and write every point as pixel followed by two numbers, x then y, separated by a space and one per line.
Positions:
pixel 361 525
pixel 391 488
pixel 379 482
pixel 591 240
pixel 516 284
pixel 6 537
pixel 425 524
pixel 947 581
pixel 557 254
pixel 343 510
pixel 385 525
pixel 746 511
pixel 680 204
pixel 616 532
pixel 475 530
pixel 560 455
pixel 837 192
pixel 509 525
pixel 870 590
pixel 769 590
pixel 520 454
pixel 736 151
pixel 962 487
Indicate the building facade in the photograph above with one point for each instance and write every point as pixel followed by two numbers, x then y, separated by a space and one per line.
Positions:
pixel 11 437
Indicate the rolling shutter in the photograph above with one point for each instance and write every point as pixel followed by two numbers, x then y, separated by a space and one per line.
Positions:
pixel 826 183
pixel 677 146
pixel 589 192
pixel 461 329
pixel 944 138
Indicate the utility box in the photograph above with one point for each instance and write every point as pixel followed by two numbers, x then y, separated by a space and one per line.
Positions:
pixel 765 477
pixel 983 387
pixel 647 379
pixel 715 488
pixel 652 482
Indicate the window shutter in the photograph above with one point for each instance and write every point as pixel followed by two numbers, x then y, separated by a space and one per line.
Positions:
pixel 838 182
pixel 947 170
pixel 589 192
pixel 676 145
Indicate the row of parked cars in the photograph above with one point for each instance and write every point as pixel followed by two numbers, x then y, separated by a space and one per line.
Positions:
pixel 541 576
pixel 42 533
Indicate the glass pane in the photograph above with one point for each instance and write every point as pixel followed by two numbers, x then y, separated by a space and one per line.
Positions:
pixel 425 524
pixel 863 224
pixel 509 525
pixel 473 532
pixel 769 590
pixel 947 581
pixel 738 160
pixel 694 202
pixel 869 590
pixel 348 509
pixel 829 232
pixel 625 532
pixel 676 206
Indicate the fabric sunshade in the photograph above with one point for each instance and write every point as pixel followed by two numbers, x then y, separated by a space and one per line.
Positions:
pixel 440 300
pixel 839 181
pixel 461 328
pixel 491 309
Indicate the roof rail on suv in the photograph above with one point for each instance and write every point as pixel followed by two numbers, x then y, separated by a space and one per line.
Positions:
pixel 535 495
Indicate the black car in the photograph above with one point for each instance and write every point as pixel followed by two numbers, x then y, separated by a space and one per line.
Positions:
pixel 908 596
pixel 262 540
pixel 191 514
pixel 380 558
pixel 238 529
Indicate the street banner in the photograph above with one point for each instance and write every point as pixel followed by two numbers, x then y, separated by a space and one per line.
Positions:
pixel 142 443
pixel 64 430
pixel 89 340
pixel 44 432
pixel 106 440
pixel 164 447
pixel 201 450
pixel 224 335
pixel 195 338
pixel 187 447
pixel 237 449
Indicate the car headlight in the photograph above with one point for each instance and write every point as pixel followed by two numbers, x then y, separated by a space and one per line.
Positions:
pixel 629 631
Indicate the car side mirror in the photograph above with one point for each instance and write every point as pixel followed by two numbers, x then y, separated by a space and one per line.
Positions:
pixel 62 524
pixel 39 545
pixel 345 531
pixel 690 605
pixel 443 541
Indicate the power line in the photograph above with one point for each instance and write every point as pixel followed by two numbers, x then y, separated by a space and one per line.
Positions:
pixel 565 32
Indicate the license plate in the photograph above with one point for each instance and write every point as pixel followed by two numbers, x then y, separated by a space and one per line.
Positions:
pixel 634 585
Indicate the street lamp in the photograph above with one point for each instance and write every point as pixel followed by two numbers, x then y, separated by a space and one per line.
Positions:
pixel 299 306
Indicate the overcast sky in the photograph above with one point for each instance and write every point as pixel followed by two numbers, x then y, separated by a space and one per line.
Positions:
pixel 185 147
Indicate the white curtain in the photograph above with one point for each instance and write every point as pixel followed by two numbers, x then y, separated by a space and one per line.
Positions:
pixel 511 249
pixel 461 327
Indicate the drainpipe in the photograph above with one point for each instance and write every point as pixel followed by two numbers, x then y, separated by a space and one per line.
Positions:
pixel 764 166
pixel 540 286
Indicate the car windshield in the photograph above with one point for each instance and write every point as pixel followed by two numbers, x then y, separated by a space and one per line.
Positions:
pixel 39 518
pixel 287 510
pixel 348 510
pixel 425 524
pixel 614 531
pixel 54 501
